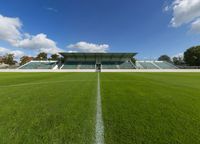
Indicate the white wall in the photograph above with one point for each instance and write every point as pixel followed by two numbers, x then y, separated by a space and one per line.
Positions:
pixel 104 70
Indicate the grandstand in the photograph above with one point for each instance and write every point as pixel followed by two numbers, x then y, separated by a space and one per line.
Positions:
pixel 165 65
pixel 98 62
pixel 154 65
pixel 146 65
pixel 3 66
pixel 40 65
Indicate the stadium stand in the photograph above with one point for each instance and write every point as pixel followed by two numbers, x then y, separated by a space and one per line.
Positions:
pixel 70 65
pixel 146 65
pixel 39 65
pixel 87 65
pixel 3 66
pixel 109 65
pixel 126 65
pixel 165 65
pixel 154 65
pixel 97 62
pixel 117 65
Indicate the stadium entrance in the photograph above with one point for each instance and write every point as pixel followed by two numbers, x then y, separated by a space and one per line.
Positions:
pixel 98 67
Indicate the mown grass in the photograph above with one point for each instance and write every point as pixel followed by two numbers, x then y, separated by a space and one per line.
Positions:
pixel 151 108
pixel 47 108
pixel 138 108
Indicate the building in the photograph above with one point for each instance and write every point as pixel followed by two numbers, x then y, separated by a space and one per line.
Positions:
pixel 97 62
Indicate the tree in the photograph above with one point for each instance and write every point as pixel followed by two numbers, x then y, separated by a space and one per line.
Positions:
pixel 25 59
pixel 41 56
pixel 1 59
pixel 192 56
pixel 54 57
pixel 164 58
pixel 9 59
pixel 178 60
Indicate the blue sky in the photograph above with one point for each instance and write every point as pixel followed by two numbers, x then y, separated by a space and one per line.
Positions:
pixel 142 26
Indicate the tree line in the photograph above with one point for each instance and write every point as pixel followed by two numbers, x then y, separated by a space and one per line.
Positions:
pixel 10 58
pixel 191 57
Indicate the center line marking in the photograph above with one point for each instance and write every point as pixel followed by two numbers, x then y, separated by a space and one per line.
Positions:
pixel 99 120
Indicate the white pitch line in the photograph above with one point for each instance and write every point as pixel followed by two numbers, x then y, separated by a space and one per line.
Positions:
pixel 99 120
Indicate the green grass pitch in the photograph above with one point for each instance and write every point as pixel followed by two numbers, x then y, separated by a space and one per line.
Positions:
pixel 137 108
pixel 50 108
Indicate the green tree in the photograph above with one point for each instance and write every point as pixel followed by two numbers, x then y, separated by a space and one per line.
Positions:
pixel 41 56
pixel 25 59
pixel 178 60
pixel 164 58
pixel 54 57
pixel 9 59
pixel 192 56
pixel 1 59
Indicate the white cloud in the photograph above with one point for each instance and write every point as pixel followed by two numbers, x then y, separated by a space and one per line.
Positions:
pixel 185 11
pixel 51 9
pixel 3 50
pixel 72 51
pixel 38 42
pixel 89 47
pixel 17 53
pixel 181 55
pixel 195 26
pixel 166 8
pixel 10 29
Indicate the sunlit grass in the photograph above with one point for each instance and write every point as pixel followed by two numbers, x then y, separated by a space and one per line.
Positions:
pixel 138 108
pixel 151 108
pixel 47 112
